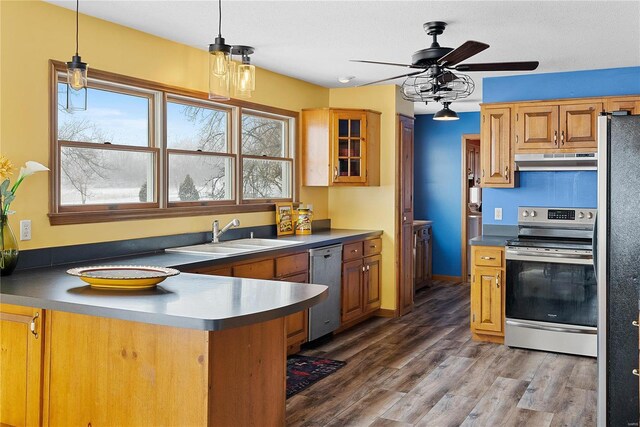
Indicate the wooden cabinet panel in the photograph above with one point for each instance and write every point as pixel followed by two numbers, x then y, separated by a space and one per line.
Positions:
pixel 578 125
pixel 486 300
pixel 213 271
pixel 536 128
pixel 495 148
pixel 352 251
pixel 352 290
pixel 631 105
pixel 20 365
pixel 487 256
pixel 297 325
pixel 349 147
pixel 372 282
pixel 255 270
pixel 372 247
pixel 292 264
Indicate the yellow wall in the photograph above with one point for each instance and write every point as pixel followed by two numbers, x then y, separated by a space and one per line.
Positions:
pixel 32 32
pixel 373 207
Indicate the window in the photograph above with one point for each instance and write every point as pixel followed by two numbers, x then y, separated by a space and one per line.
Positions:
pixel 143 149
pixel 266 159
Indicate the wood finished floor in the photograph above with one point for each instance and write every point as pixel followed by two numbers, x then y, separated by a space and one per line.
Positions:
pixel 424 370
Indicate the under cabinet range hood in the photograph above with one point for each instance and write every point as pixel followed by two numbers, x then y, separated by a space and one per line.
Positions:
pixel 557 162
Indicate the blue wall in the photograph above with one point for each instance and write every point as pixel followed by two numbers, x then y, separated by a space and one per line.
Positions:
pixel 438 151
pixel 438 156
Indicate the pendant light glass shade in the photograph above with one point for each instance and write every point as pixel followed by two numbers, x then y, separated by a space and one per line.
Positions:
pixel 77 81
pixel 446 114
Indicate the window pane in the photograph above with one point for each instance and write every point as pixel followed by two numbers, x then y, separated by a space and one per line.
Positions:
pixel 199 177
pixel 96 176
pixel 192 127
pixel 266 179
pixel 263 136
pixel 110 117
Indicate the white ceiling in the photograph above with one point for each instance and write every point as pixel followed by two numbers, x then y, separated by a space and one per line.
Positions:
pixel 314 40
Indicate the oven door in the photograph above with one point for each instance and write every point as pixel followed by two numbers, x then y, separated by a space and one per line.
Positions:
pixel 557 288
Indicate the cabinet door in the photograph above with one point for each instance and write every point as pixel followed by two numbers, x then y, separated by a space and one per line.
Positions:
pixel 372 282
pixel 297 324
pixel 495 147
pixel 536 128
pixel 486 300
pixel 419 257
pixel 631 105
pixel 352 298
pixel 404 196
pixel 579 125
pixel 20 365
pixel 255 270
pixel 349 147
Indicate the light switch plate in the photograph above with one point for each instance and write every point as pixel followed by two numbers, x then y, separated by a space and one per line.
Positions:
pixel 497 215
pixel 25 229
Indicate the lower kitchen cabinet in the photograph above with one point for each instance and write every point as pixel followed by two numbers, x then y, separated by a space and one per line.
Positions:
pixel 487 293
pixel 21 362
pixel 422 255
pixel 361 280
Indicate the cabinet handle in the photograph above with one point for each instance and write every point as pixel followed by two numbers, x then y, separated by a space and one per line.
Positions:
pixel 367 268
pixel 506 172
pixel 372 246
pixel 363 268
pixel 555 137
pixel 636 372
pixel 487 257
pixel 354 251
pixel 32 325
pixel 498 280
pixel 635 323
pixel 335 173
pixel 483 173
pixel 562 137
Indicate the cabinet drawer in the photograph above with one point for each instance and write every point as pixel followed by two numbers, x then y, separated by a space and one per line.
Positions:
pixel 372 247
pixel 352 251
pixel 213 271
pixel 487 257
pixel 291 264
pixel 255 270
pixel 297 278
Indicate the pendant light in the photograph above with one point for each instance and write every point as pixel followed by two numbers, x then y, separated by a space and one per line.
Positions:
pixel 76 77
pixel 245 80
pixel 219 58
pixel 446 114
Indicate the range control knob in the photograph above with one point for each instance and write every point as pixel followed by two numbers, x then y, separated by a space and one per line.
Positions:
pixel 525 214
pixel 581 215
pixel 590 215
pixel 533 213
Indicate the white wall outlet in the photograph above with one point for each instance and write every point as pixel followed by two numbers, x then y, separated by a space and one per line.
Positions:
pixel 25 229
pixel 497 214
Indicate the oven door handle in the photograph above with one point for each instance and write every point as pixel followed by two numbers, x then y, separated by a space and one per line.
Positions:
pixel 590 331
pixel 512 255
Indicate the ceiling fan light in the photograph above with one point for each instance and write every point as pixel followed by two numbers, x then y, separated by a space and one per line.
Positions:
pixel 446 114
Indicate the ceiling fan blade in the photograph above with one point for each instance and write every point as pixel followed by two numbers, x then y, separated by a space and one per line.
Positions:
pixel 466 50
pixel 446 77
pixel 384 63
pixel 392 78
pixel 500 66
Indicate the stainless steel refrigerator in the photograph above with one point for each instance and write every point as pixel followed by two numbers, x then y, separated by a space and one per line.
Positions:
pixel 618 269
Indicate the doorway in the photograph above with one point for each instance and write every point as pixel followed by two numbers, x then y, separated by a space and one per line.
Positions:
pixel 471 199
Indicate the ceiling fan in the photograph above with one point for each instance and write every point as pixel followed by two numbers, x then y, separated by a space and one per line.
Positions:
pixel 438 74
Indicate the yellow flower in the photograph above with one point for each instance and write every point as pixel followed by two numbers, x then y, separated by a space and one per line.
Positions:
pixel 6 168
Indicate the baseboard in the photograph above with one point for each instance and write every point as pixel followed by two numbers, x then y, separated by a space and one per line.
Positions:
pixel 446 278
pixel 386 312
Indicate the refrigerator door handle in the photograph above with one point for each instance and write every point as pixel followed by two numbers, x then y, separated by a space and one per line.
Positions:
pixel 594 247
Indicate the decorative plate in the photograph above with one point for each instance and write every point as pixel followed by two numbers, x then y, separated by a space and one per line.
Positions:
pixel 123 276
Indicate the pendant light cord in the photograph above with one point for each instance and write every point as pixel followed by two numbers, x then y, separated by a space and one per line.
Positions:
pixel 77 7
pixel 219 18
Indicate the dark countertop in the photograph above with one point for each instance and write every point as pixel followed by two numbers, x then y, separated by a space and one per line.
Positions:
pixel 188 300
pixel 421 223
pixel 489 240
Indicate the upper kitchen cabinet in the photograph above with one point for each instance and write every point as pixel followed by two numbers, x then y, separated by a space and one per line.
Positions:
pixel 631 104
pixel 560 126
pixel 340 147
pixel 495 147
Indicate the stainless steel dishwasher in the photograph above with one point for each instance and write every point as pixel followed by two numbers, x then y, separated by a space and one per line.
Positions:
pixel 326 269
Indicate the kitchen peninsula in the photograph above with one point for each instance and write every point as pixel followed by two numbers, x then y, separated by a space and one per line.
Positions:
pixel 197 350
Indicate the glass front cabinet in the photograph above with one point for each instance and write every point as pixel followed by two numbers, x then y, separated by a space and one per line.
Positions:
pixel 340 147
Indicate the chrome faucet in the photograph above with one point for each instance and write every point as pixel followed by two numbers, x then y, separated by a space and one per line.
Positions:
pixel 217 232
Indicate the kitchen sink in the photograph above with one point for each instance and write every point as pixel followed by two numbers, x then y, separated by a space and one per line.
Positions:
pixel 234 247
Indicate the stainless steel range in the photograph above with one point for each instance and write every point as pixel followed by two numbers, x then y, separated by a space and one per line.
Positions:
pixel 551 300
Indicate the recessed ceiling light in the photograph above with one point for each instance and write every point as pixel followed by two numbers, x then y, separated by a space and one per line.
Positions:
pixel 346 79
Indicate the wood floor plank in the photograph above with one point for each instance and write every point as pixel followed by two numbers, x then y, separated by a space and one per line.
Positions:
pixel 383 422
pixel 492 409
pixel 450 411
pixel 518 417
pixel 419 401
pixel 584 374
pixel 576 408
pixel 480 376
pixel 365 411
pixel 520 364
pixel 407 351
pixel 547 386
